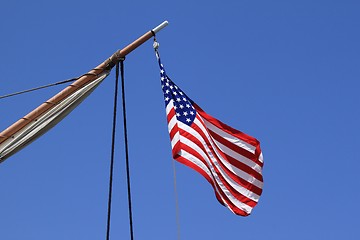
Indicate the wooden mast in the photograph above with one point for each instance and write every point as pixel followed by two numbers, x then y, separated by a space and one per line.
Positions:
pixel 92 75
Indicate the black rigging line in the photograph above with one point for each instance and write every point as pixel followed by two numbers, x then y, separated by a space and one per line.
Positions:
pixel 37 88
pixel 126 150
pixel 44 86
pixel 112 152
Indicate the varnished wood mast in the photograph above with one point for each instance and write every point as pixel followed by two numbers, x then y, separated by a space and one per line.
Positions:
pixel 82 81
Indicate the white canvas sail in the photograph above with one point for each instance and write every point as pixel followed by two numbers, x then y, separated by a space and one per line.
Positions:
pixel 47 120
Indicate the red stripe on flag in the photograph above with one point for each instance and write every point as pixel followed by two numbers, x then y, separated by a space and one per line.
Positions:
pixel 236 148
pixel 223 197
pixel 251 140
pixel 170 114
pixel 234 192
pixel 232 131
pixel 239 180
pixel 190 164
pixel 228 158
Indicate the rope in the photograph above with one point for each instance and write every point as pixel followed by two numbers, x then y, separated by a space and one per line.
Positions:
pixel 156 46
pixel 44 86
pixel 112 152
pixel 126 151
pixel 37 88
pixel 176 202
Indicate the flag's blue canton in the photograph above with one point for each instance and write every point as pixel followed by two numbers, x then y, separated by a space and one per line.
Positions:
pixel 185 112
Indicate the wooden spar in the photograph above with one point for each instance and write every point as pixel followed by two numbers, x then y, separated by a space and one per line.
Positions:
pixel 82 81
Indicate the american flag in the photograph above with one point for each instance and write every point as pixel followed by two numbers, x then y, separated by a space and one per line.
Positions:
pixel 230 160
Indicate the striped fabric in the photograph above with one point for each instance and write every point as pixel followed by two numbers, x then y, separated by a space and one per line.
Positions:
pixel 230 160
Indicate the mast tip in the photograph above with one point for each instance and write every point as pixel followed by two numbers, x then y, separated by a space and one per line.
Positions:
pixel 161 26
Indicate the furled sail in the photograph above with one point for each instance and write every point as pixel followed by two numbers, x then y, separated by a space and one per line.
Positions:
pixel 47 115
pixel 11 142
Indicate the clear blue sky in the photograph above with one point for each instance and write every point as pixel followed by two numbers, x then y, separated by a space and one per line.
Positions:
pixel 285 72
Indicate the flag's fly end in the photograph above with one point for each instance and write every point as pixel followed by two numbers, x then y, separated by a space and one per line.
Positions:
pixel 161 26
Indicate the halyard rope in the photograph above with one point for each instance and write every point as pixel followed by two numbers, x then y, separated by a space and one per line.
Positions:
pixel 156 46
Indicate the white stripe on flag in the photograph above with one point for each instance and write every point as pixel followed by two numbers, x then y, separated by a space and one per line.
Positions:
pixel 238 156
pixel 236 186
pixel 230 138
pixel 234 201
pixel 244 175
